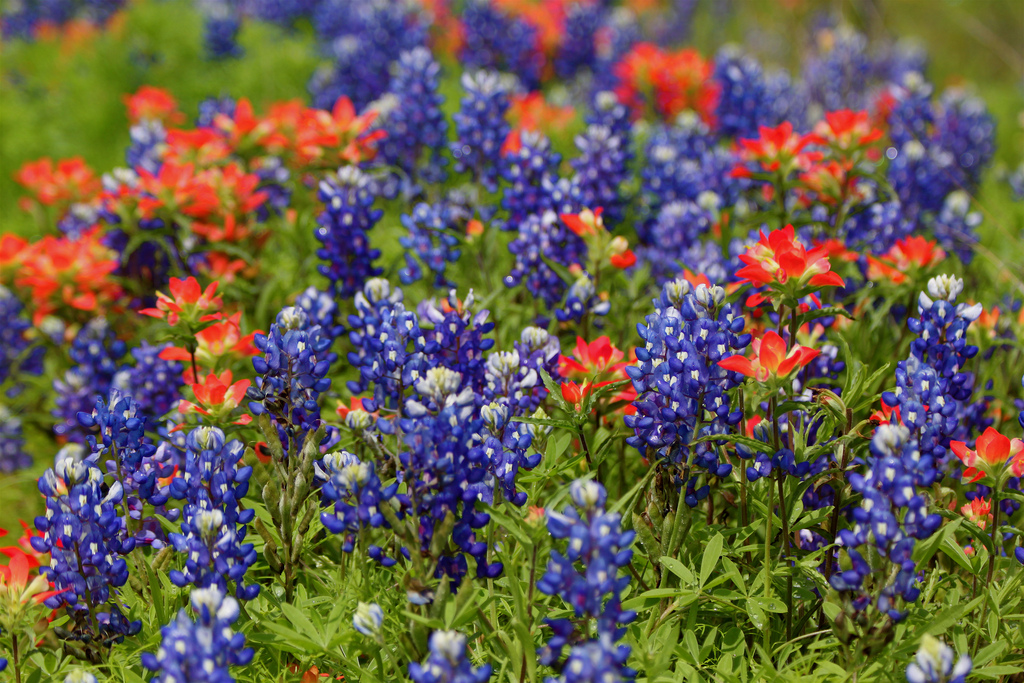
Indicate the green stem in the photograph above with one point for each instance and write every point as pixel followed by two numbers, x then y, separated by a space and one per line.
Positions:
pixel 14 657
pixel 996 549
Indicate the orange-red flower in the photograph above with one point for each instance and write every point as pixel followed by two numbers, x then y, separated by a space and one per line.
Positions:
pixel 778 149
pixel 70 181
pixel 847 130
pixel 187 299
pixel 17 591
pixel 978 511
pixel 992 453
pixel 779 261
pixel 592 360
pixel 770 359
pixel 670 82
pixel 574 393
pixel 220 339
pixel 60 272
pixel 154 104
pixel 532 112
pixel 584 223
pixel 906 256
pixel 216 397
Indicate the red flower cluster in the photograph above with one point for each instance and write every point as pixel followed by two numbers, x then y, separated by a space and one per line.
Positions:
pixel 770 358
pixel 777 150
pixel 670 82
pixel 63 275
pixel 779 261
pixel 907 256
pixel 153 104
pixel 71 181
pixel 306 138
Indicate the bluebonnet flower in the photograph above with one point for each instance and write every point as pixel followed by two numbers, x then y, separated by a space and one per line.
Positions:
pixel 417 131
pixel 596 543
pixel 342 229
pixel 786 100
pixel 281 12
pixel 211 107
pixel 1016 182
pixel 912 115
pixel 354 489
pixel 95 352
pixel 213 483
pixel 932 388
pixel 291 375
pixel 526 170
pixel 85 538
pixel 433 241
pixel 955 225
pixel 148 141
pixel 480 127
pixel 578 50
pixel 368 619
pixel 923 176
pixel 582 299
pixel 222 22
pixel 934 663
pixel 600 171
pixel 17 352
pixel 274 177
pixel 680 225
pixel 363 38
pixel 542 238
pixel 495 40
pixel 876 226
pixel 891 517
pixel 203 650
pixel 743 100
pixel 606 110
pixel 893 62
pixel 154 383
pixel 13 455
pixel 681 390
pixel 837 74
pixel 964 128
pixel 118 440
pixel 322 310
pixel 448 662
pixel 77 676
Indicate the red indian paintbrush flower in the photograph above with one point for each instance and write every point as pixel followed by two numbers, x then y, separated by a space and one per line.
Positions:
pixel 70 181
pixel 590 360
pixel 16 588
pixel 222 338
pixel 770 359
pixel 782 263
pixel 778 149
pixel 907 255
pixel 216 397
pixel 847 130
pixel 187 300
pixel 978 511
pixel 574 393
pixel 153 104
pixel 991 455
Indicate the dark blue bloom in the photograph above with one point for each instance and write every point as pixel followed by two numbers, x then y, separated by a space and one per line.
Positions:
pixel 495 40
pixel 342 229
pixel 86 539
pixel 200 651
pixel 154 383
pixel 433 241
pixel 481 128
pixel 222 22
pixel 95 352
pixel 600 171
pixel 448 662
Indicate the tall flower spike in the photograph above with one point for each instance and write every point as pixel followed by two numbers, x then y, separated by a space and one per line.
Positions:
pixel 447 662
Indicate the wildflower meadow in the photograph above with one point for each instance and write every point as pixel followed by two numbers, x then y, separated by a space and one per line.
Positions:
pixel 547 341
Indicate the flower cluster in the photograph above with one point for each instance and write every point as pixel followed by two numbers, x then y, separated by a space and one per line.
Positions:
pixel 597 544
pixel 448 662
pixel 202 649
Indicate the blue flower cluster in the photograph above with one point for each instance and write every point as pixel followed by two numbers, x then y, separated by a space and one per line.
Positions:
pixel 342 229
pixel 681 390
pixel 542 238
pixel 595 543
pixel 417 131
pixel 201 650
pixel 23 19
pixel 213 481
pixel 86 539
pixel 362 39
pixel 448 662
pixel 601 169
pixel 532 175
pixel 494 40
pixel 932 387
pixel 433 241
pixel 291 375
pixel 891 517
pixel 355 491
pixel 480 127
pixel 222 21
pixel 95 352
pixel 154 383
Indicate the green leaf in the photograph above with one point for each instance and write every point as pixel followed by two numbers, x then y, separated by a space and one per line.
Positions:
pixel 712 554
pixel 678 568
pixel 954 552
pixel 768 604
